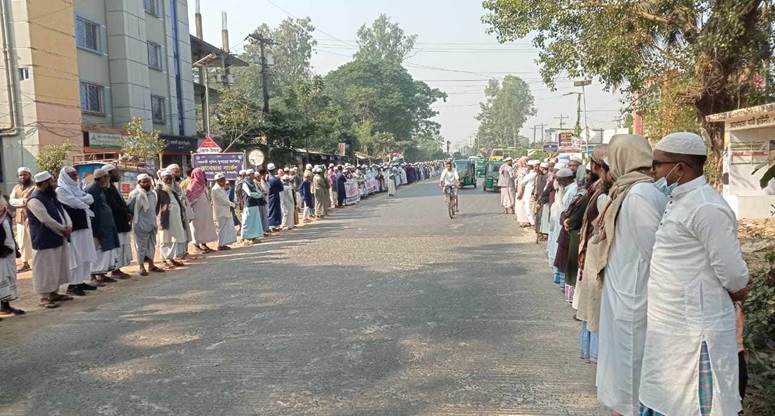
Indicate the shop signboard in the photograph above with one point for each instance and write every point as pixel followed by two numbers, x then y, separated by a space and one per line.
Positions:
pixel 105 140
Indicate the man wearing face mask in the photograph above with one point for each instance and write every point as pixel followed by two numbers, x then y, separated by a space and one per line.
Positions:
pixel 620 259
pixel 690 363
pixel 18 199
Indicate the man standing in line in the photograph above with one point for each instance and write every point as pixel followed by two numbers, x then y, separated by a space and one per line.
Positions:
pixel 341 190
pixel 104 230
pixel 332 185
pixel 275 211
pixel 538 190
pixel 50 227
pixel 19 195
pixel 252 229
pixel 222 213
pixel 123 219
pixel 319 190
pixel 507 185
pixel 288 203
pixel 142 205
pixel 526 187
pixel 170 220
pixel 202 223
pixel 626 238
pixel 82 253
pixel 690 363
pixel 177 180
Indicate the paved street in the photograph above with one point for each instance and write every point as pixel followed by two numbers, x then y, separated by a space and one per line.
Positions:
pixel 387 308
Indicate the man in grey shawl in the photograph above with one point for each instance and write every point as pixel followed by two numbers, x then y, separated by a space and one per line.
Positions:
pixel 142 205
pixel 82 253
pixel 103 230
pixel 170 220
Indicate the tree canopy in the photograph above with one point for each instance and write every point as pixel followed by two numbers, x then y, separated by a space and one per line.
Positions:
pixel 384 40
pixel 507 106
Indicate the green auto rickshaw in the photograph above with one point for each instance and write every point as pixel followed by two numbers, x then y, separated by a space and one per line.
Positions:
pixel 466 169
pixel 492 172
pixel 480 167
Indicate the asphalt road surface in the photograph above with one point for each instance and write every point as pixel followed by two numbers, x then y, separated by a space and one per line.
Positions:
pixel 386 308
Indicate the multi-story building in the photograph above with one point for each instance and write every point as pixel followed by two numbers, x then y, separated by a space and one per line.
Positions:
pixel 79 71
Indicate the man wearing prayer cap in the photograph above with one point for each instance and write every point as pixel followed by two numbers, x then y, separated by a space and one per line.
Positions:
pixel 142 204
pixel 178 187
pixel 288 203
pixel 525 193
pixel 104 229
pixel 122 217
pixel 170 220
pixel 252 228
pixel 563 185
pixel 222 213
pixel 697 273
pixel 50 227
pixel 541 215
pixel 319 192
pixel 274 206
pixel 18 199
pixel 82 252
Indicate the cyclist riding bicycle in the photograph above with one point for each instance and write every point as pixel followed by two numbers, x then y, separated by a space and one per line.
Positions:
pixel 449 179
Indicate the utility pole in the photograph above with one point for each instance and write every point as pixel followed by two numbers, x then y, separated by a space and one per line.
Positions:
pixel 583 84
pixel 543 134
pixel 561 118
pixel 262 44
pixel 202 65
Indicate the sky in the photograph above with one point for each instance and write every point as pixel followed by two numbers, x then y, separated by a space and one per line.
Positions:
pixel 453 53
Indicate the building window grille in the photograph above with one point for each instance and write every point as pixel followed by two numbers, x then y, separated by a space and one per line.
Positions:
pixel 157 109
pixel 152 7
pixel 92 98
pixel 87 35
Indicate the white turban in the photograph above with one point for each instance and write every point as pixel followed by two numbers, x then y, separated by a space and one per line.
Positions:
pixel 173 166
pixel 108 167
pixel 309 166
pixel 271 166
pixel 565 173
pixel 143 176
pixel 23 169
pixel 42 176
pixel 243 172
pixel 683 143
pixel 533 162
pixel 249 172
pixel 544 165
pixel 165 172
pixel 560 165
pixel 219 176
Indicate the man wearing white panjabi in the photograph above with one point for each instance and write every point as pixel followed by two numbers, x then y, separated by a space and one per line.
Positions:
pixel 170 220
pixel 222 213
pixel 690 363
pixel 288 204
pixel 526 188
pixel 18 199
pixel 142 204
pixel 626 238
pixel 82 252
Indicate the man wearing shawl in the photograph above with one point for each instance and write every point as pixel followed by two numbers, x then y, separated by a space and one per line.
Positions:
pixel 170 220
pixel 123 219
pixel 50 227
pixel 82 252
pixel 525 192
pixel 566 180
pixel 252 229
pixel 201 222
pixel 104 230
pixel 222 213
pixel 588 289
pixel 177 187
pixel 8 253
pixel 142 204
pixel 507 185
pixel 263 188
pixel 690 362
pixel 621 259
pixel 18 198
pixel 289 203
pixel 541 220
pixel 319 191
pixel 275 187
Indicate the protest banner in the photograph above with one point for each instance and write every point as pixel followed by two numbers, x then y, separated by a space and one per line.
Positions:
pixel 211 163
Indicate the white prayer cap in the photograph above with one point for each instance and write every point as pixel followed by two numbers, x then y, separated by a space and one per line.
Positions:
pixel 23 169
pixel 99 173
pixel 271 166
pixel 533 162
pixel 249 172
pixel 560 165
pixel 173 166
pixel 576 159
pixel 309 166
pixel 69 169
pixel 606 161
pixel 294 169
pixel 165 172
pixel 108 167
pixel 286 178
pixel 683 143
pixel 42 176
pixel 143 176
pixel 544 165
pixel 243 172
pixel 331 165
pixel 219 176
pixel 507 159
pixel 565 173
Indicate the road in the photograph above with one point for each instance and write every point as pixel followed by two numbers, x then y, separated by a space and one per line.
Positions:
pixel 387 308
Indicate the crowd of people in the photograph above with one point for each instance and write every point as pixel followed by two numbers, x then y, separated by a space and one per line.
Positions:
pixel 82 237
pixel 646 253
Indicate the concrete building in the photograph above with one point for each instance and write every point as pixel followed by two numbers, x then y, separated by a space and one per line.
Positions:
pixel 79 71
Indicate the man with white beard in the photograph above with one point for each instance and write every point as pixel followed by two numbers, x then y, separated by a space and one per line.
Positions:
pixel 142 205
pixel 170 219
pixel 222 213
pixel 122 217
pixel 18 199
pixel 82 253
pixel 103 230
pixel 526 188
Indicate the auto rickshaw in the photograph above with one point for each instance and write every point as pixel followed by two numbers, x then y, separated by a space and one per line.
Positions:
pixel 492 172
pixel 480 166
pixel 466 169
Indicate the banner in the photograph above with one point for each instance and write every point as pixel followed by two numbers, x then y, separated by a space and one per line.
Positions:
pixel 227 163
pixel 341 149
pixel 353 193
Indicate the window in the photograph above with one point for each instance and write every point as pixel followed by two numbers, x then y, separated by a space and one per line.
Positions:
pixel 154 55
pixel 151 7
pixel 92 98
pixel 24 74
pixel 157 109
pixel 87 35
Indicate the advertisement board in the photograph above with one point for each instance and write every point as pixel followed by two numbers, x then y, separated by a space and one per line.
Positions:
pixel 211 163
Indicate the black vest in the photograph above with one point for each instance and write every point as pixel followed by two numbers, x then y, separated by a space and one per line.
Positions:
pixel 78 216
pixel 248 200
pixel 42 237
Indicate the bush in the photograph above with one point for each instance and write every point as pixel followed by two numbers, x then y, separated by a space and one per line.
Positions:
pixel 53 157
pixel 760 333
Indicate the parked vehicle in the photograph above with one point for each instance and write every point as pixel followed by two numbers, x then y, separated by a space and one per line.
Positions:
pixel 466 169
pixel 492 171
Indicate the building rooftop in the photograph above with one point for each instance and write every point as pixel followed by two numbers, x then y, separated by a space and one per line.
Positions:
pixel 200 49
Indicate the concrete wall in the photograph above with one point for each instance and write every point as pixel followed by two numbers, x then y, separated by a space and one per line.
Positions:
pixel 743 191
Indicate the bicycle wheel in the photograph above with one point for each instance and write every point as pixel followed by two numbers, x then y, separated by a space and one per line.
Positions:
pixel 451 206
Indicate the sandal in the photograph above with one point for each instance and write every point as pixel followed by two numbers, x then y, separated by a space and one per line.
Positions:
pixel 48 304
pixel 12 311
pixel 177 263
pixel 60 298
pixel 156 269
pixel 143 272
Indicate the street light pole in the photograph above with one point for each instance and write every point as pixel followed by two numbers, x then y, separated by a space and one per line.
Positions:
pixel 202 65
pixel 582 84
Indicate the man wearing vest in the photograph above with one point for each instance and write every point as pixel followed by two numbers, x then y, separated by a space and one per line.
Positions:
pixel 18 199
pixel 50 228
pixel 82 252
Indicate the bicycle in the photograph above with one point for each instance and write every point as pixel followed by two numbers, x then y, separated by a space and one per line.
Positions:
pixel 451 199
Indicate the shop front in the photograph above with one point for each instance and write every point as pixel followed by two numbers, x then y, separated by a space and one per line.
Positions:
pixel 179 150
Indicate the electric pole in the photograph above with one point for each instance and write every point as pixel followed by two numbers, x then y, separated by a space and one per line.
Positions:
pixel 262 44
pixel 543 134
pixel 561 118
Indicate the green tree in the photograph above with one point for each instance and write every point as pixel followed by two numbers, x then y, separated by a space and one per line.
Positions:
pixel 53 157
pixel 507 106
pixel 384 40
pixel 139 144
pixel 237 117
pixel 714 50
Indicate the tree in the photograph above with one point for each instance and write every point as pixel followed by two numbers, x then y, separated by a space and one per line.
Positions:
pixel 714 51
pixel 507 106
pixel 384 40
pixel 237 118
pixel 53 157
pixel 139 144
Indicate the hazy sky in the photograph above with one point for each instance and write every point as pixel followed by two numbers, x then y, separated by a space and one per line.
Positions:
pixel 453 53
